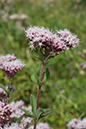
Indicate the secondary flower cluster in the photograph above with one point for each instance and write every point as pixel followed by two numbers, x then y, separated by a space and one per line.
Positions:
pixel 41 126
pixel 5 112
pixel 10 65
pixel 77 124
pixel 16 126
pixel 12 110
pixel 47 41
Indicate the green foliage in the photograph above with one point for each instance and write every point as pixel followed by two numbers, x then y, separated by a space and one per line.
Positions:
pixel 33 103
pixel 46 75
pixel 35 78
pixel 4 88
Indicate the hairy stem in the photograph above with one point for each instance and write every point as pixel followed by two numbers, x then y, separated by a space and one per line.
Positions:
pixel 39 90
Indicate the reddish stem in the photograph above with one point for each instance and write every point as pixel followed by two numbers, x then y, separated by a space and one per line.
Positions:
pixel 39 90
pixel 35 124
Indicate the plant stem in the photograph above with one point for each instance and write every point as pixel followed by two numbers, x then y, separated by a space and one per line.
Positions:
pixel 8 97
pixel 39 90
pixel 35 124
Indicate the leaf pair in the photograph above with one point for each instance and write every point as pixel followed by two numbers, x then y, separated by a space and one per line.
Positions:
pixel 36 79
pixel 36 114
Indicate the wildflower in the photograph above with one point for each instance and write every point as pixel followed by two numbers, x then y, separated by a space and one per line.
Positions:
pixel 77 124
pixel 72 124
pixel 68 38
pixel 6 58
pixel 48 42
pixel 13 126
pixel 11 68
pixel 41 126
pixel 25 120
pixel 5 112
pixel 16 105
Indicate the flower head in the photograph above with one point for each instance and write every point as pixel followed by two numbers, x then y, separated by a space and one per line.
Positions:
pixel 77 124
pixel 18 113
pixel 11 68
pixel 5 112
pixel 13 126
pixel 6 58
pixel 68 38
pixel 49 42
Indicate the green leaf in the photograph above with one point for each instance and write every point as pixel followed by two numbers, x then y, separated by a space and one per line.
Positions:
pixel 33 103
pixel 39 112
pixel 20 118
pixel 46 114
pixel 27 113
pixel 4 88
pixel 6 80
pixel 46 75
pixel 35 78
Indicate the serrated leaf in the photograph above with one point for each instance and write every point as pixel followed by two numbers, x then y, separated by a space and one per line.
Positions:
pixel 33 102
pixel 46 75
pixel 4 88
pixel 27 113
pixel 35 78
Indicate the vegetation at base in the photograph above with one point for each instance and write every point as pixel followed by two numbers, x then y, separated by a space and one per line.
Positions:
pixel 65 90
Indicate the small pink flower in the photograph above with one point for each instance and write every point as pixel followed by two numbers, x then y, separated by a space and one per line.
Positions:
pixel 13 126
pixel 11 68
pixel 5 112
pixel 41 126
pixel 49 42
pixel 6 58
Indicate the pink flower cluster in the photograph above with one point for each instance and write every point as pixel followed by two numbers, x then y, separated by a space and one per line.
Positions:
pixel 46 40
pixel 5 112
pixel 14 126
pixel 18 112
pixel 77 124
pixel 41 126
pixel 10 65
pixel 6 58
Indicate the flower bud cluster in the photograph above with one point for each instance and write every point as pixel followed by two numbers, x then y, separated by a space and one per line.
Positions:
pixel 10 65
pixel 77 124
pixel 5 112
pixel 48 41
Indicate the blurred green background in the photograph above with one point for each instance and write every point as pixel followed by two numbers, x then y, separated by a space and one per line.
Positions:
pixel 65 90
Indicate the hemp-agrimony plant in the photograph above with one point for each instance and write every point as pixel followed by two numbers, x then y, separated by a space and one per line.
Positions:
pixel 49 44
